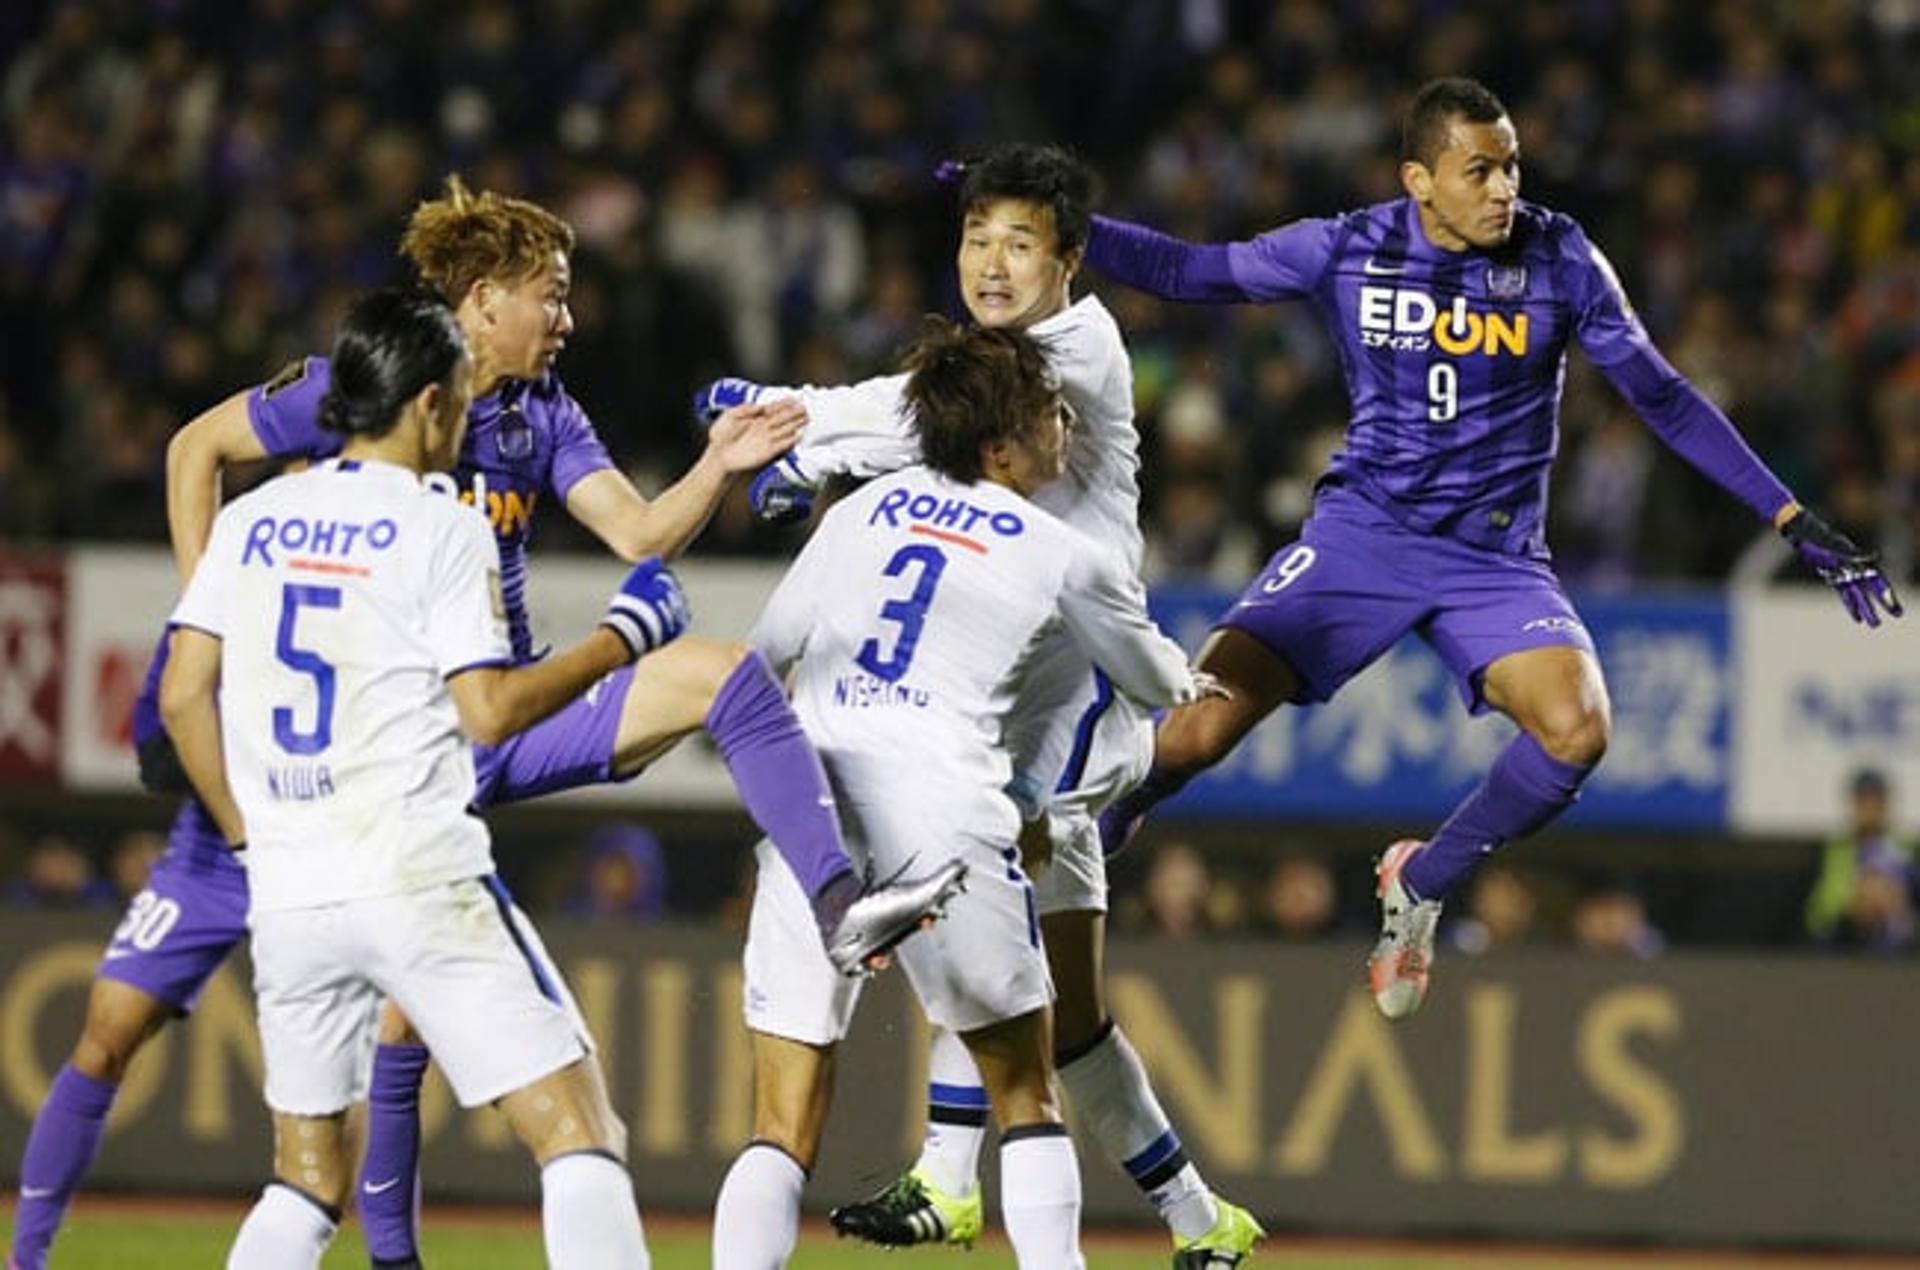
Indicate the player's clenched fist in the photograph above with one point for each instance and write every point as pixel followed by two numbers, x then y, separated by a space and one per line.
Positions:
pixel 649 609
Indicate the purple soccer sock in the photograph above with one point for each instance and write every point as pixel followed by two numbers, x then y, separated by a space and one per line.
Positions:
pixel 1526 789
pixel 778 774
pixel 1122 817
pixel 60 1150
pixel 389 1192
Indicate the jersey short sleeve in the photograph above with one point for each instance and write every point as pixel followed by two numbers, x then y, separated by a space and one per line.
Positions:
pixel 206 605
pixel 1284 263
pixel 466 615
pixel 578 451
pixel 285 411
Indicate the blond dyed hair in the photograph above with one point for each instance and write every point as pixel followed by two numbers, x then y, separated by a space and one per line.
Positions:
pixel 463 237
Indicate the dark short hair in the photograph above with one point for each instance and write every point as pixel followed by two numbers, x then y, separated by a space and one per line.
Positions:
pixel 392 343
pixel 1868 780
pixel 1045 174
pixel 971 386
pixel 1423 134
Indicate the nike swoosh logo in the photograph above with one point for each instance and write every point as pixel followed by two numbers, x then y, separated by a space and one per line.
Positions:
pixel 115 953
pixel 36 1192
pixel 1378 270
pixel 375 1188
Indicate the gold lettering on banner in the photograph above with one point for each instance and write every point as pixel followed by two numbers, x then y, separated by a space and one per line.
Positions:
pixel 221 1033
pixel 1649 1103
pixel 1362 1051
pixel 41 977
pixel 731 1123
pixel 1489 1151
pixel 667 989
pixel 1218 1115
pixel 917 1032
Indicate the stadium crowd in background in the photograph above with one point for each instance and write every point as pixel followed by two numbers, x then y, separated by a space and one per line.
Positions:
pixel 186 201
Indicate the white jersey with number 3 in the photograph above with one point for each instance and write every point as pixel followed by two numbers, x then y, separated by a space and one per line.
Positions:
pixel 915 612
pixel 344 597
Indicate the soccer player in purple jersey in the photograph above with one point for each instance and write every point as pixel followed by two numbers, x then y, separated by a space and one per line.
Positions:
pixel 503 263
pixel 1452 309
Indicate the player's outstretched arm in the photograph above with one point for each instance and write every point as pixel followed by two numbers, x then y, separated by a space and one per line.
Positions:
pixel 196 456
pixel 496 702
pixel 742 439
pixel 189 692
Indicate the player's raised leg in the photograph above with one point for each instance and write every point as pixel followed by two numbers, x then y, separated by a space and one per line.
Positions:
pixel 1193 738
pixel 1559 698
pixel 729 690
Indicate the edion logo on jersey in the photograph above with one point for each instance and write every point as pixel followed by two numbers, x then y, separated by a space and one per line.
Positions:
pixel 509 513
pixel 1408 321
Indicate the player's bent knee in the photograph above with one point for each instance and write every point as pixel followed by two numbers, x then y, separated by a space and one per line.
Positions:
pixel 119 1021
pixel 394 1028
pixel 1578 738
pixel 565 1112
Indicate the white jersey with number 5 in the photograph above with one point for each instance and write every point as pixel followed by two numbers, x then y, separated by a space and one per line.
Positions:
pixel 915 612
pixel 344 597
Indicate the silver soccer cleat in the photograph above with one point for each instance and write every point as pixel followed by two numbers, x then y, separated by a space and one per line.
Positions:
pixel 888 912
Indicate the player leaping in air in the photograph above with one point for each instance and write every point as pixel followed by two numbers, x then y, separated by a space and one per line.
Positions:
pixel 1452 309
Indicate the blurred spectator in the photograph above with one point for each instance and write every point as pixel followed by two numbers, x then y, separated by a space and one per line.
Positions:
pixel 132 861
pixel 623 875
pixel 1611 919
pixel 1179 898
pixel 1864 895
pixel 183 203
pixel 1501 909
pixel 1298 901
pixel 58 874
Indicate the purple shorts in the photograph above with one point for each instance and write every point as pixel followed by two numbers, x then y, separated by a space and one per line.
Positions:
pixel 563 751
pixel 1357 580
pixel 192 913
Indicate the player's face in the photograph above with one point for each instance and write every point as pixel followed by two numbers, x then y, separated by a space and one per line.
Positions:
pixel 1011 270
pixel 1040 456
pixel 528 321
pixel 1467 198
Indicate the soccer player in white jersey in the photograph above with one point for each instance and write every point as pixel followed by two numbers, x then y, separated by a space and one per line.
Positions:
pixel 913 619
pixel 342 646
pixel 1076 744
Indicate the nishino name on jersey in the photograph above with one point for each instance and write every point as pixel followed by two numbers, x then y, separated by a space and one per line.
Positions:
pixel 314 537
pixel 862 692
pixel 1408 321
pixel 944 513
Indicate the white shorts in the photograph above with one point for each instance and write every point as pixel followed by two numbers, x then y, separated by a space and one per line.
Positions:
pixel 461 960
pixel 1111 750
pixel 980 965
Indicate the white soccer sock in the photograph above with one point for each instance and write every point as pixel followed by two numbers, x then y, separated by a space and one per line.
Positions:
pixel 588 1214
pixel 956 1116
pixel 286 1230
pixel 1040 1197
pixel 756 1220
pixel 1107 1085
